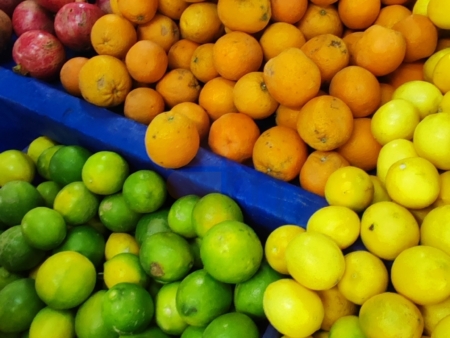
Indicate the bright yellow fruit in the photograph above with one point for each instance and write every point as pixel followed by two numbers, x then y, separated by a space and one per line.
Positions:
pixel 441 74
pixel 445 103
pixel 421 7
pixel 433 313
pixel 438 11
pixel 335 306
pixel 430 63
pixel 435 229
pixel 444 192
pixel 379 191
pixel 442 328
pixel 119 242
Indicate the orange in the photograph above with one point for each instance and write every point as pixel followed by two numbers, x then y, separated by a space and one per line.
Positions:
pixel 286 117
pixel 143 104
pixel 350 40
pixel 146 61
pixel 216 97
pixel 202 63
pixel 320 20
pixel 178 85
pixel 113 35
pixel 233 136
pixel 200 23
pixel 406 72
pixel 386 90
pixel 248 16
pixel 172 140
pixel 394 2
pixel 288 11
pixel 251 97
pixel 236 54
pixel 292 78
pixel 329 53
pixel 180 54
pixel 278 37
pixel 358 14
pixel 136 11
pixel 69 74
pixel 161 29
pixel 172 8
pixel 358 88
pixel 325 123
pixel 323 2
pixel 392 14
pixel 197 114
pixel 279 152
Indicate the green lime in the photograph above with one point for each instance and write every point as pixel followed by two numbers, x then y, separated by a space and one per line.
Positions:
pixel 15 253
pixel 193 332
pixel 98 225
pixel 76 203
pixel 231 252
pixel 38 145
pixel 19 303
pixel 152 223
pixel 43 228
pixel 53 323
pixel 151 332
pixel 89 321
pixel 154 287
pixel 117 215
pixel 347 327
pixel 145 191
pixel 127 308
pixel 167 317
pixel 16 199
pixel 16 166
pixel 231 325
pixel 248 295
pixel 7 277
pixel 67 163
pixel 201 298
pixel 48 191
pixel 212 209
pixel 104 173
pixel 180 216
pixel 195 244
pixel 166 257
pixel 43 162
pixel 85 240
pixel 65 280
pixel 124 268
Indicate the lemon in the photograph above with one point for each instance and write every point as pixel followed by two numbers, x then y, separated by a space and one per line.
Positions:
pixel 433 313
pixel 292 309
pixel 430 63
pixel 276 244
pixel 444 191
pixel 167 316
pixel 124 268
pixel 441 74
pixel 442 328
pixel 387 229
pixel 365 276
pixel 445 103
pixel 349 187
pixel 432 139
pixel 38 145
pixel 435 229
pixel 438 13
pixel 422 274
pixel 16 166
pixel 419 214
pixel 335 306
pixel 340 223
pixel 421 7
pixel 315 260
pixel 53 323
pixel 119 242
pixel 347 327
pixel 379 191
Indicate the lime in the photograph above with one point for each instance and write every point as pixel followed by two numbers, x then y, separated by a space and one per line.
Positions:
pixel 15 254
pixel 144 191
pixel 193 332
pixel 76 203
pixel 65 280
pixel 127 308
pixel 38 145
pixel 347 327
pixel 120 242
pixel 53 323
pixel 89 321
pixel 231 325
pixel 180 216
pixel 48 191
pixel 124 268
pixel 154 287
pixel 19 303
pixel 16 199
pixel 15 166
pixel 98 225
pixel 166 314
pixel 87 241
pixel 67 163
pixel 152 223
pixel 117 215
pixel 151 332
pixel 212 209
pixel 43 228
pixel 104 173
pixel 43 162
pixel 231 252
pixel 7 277
pixel 195 244
pixel 201 298
pixel 166 257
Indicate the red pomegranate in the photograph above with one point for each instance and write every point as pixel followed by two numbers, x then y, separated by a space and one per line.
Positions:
pixel 53 5
pixel 105 6
pixel 8 6
pixel 28 16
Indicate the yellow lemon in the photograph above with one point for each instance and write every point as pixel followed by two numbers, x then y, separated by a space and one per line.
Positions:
pixel 441 74
pixel 315 260
pixel 444 191
pixel 433 313
pixel 350 187
pixel 292 309
pixel 335 306
pixel 422 274
pixel 49 322
pixel 276 244
pixel 438 13
pixel 395 119
pixel 413 182
pixel 432 139
pixel 38 145
pixel 431 62
pixel 421 7
pixel 442 328
pixel 119 242
pixel 419 214
pixel 379 191
pixel 365 276
pixel 387 229
pixel 124 268
pixel 435 229
pixel 340 223
pixel 445 103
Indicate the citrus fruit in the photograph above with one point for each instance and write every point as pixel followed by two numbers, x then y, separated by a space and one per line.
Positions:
pixel 347 327
pixel 442 328
pixel 16 166
pixel 335 306
pixel 7 277
pixel 127 308
pixel 193 332
pixel 440 74
pixel 48 191
pixel 76 203
pixel 104 172
pixel 118 242
pixel 38 145
pixel 144 191
pixel 180 216
pixel 150 332
pixel 19 303
pixel 201 298
pixel 195 244
pixel 166 313
pixel 445 103
pixel 379 191
pixel 65 280
pixel 434 230
pixel 444 192
pixel 292 309
pixel 124 268
pixel 151 223
pixel 433 313
pixel 116 214
pixel 212 209
pixel 43 161
pixel 66 164
pixel 436 11
pixel 232 324
pixel 430 63
pixel 53 323
pixel 231 252
pixel 166 256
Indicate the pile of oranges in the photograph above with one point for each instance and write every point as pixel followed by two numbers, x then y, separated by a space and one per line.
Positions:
pixel 205 72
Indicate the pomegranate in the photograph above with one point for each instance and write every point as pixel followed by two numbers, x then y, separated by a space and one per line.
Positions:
pixel 5 30
pixel 105 6
pixel 28 16
pixel 39 54
pixel 8 6
pixel 53 5
pixel 73 24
